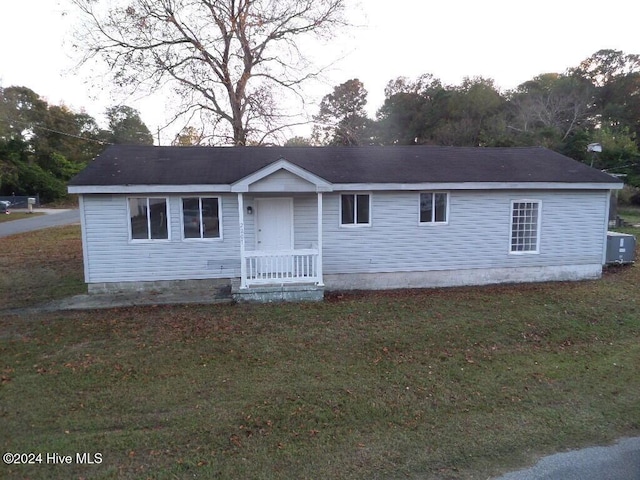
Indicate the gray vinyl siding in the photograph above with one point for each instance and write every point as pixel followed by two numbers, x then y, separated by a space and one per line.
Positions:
pixel 113 258
pixel 249 224
pixel 305 220
pixel 477 234
pixel 282 181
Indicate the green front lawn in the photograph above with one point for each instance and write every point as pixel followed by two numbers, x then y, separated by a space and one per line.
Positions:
pixel 459 383
pixel 630 214
pixel 40 266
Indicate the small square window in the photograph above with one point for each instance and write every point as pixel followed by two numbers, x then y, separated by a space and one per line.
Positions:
pixel 355 209
pixel 148 219
pixel 433 207
pixel 201 217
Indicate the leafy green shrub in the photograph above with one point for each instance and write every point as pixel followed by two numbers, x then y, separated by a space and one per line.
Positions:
pixel 32 179
pixel 60 167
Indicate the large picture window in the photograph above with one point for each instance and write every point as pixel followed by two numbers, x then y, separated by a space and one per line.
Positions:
pixel 433 207
pixel 525 226
pixel 355 209
pixel 148 218
pixel 201 217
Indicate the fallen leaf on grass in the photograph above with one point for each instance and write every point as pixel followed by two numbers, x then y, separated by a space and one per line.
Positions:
pixel 235 441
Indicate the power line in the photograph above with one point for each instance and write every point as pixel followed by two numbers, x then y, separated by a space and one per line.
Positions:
pixel 56 131
pixel 615 167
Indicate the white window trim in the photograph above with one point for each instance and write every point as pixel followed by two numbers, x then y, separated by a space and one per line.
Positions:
pixel 200 197
pixel 434 223
pixel 539 229
pixel 148 240
pixel 355 224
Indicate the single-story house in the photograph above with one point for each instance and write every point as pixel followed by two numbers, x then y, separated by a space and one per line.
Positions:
pixel 289 219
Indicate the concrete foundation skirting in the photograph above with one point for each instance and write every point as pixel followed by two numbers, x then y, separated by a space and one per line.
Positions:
pixel 454 278
pixel 280 293
pixel 228 288
pixel 215 285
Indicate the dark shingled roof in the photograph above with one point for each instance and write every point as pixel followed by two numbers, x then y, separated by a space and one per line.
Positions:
pixel 147 165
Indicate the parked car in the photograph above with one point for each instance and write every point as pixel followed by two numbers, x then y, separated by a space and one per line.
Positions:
pixel 4 206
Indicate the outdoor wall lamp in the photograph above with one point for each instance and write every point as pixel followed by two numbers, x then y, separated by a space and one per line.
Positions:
pixel 249 210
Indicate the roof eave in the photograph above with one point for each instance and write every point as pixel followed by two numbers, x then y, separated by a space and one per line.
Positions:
pixel 116 189
pixel 480 186
pixel 221 188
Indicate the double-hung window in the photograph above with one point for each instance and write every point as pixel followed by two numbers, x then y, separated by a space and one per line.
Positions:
pixel 434 207
pixel 355 209
pixel 148 218
pixel 201 217
pixel 525 226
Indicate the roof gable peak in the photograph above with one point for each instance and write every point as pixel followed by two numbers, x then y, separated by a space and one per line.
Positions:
pixel 242 185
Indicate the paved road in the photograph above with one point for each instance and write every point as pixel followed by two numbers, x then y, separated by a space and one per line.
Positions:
pixel 620 461
pixel 52 218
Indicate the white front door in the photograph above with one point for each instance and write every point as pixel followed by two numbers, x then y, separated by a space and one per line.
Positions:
pixel 274 224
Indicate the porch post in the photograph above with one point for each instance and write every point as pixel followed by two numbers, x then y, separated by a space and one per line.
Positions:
pixel 319 265
pixel 243 261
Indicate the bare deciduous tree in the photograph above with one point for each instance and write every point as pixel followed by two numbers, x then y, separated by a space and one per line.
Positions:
pixel 558 102
pixel 235 60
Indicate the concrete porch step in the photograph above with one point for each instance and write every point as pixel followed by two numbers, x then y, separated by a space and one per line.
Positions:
pixel 297 292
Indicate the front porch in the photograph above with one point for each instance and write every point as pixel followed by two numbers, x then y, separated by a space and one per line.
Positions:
pixel 280 233
pixel 292 276
pixel 282 268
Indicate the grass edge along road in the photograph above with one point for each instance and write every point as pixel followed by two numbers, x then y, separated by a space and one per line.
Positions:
pixel 17 216
pixel 456 383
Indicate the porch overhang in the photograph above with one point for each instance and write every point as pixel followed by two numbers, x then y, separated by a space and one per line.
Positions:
pixel 268 267
pixel 316 183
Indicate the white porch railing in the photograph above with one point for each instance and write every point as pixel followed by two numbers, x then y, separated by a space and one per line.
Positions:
pixel 279 267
